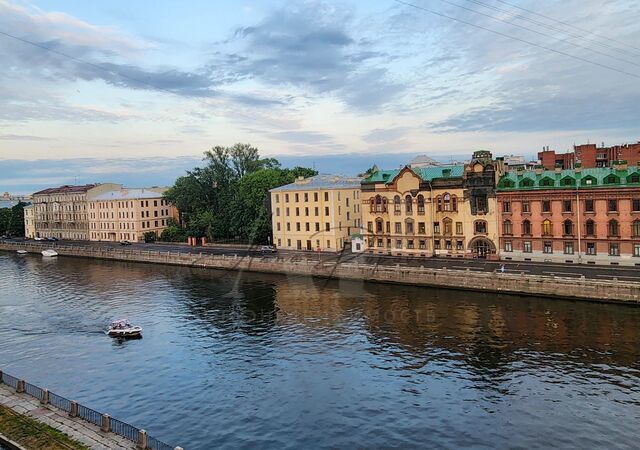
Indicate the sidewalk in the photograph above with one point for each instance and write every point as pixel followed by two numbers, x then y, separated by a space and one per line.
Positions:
pixel 78 429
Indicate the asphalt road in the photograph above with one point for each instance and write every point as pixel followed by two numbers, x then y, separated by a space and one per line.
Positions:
pixel 621 273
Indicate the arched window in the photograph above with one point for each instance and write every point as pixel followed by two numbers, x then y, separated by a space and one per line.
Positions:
pixel 635 228
pixel 454 203
pixel 439 202
pixel 506 227
pixel 397 208
pixel 546 227
pixel 408 204
pixel 614 228
pixel 420 204
pixel 447 202
pixel 526 227
pixel 379 225
pixel 480 227
pixel 590 227
pixel 372 205
pixel 378 203
pixel 568 227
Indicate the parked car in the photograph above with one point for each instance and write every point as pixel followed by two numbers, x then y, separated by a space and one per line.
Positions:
pixel 52 239
pixel 5 236
pixel 268 249
pixel 125 242
pixel 38 238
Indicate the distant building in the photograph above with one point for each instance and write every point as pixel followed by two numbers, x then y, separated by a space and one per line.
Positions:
pixel 319 213
pixel 61 212
pixel 589 155
pixel 29 222
pixel 423 161
pixel 588 215
pixel 127 214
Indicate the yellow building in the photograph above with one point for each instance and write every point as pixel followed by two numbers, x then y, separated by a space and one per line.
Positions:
pixel 318 213
pixel 127 214
pixel 29 222
pixel 61 212
pixel 443 210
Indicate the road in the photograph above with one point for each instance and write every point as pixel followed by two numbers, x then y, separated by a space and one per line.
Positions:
pixel 621 273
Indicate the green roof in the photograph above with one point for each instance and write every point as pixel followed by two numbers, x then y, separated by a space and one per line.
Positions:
pixel 425 173
pixel 600 177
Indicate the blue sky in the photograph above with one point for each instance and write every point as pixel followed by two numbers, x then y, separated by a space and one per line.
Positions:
pixel 309 78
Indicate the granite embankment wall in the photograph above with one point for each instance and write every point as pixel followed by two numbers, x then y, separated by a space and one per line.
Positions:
pixel 512 283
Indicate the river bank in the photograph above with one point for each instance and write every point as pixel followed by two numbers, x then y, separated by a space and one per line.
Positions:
pixel 512 283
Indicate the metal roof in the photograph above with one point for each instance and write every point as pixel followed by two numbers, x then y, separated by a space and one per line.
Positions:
pixel 127 194
pixel 597 175
pixel 321 182
pixel 425 173
pixel 66 189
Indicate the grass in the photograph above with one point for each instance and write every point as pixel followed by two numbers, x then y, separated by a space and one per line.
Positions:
pixel 34 435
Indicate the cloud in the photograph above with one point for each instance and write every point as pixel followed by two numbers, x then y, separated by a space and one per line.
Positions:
pixel 22 137
pixel 303 137
pixel 384 135
pixel 312 47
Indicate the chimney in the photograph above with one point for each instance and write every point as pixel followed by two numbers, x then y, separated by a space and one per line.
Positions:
pixel 620 164
pixel 539 170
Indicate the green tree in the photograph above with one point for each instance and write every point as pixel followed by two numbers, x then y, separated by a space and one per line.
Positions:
pixel 173 233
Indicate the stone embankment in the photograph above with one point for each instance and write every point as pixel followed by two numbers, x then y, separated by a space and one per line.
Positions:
pixel 511 283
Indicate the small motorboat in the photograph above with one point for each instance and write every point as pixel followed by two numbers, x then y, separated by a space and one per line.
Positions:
pixel 49 253
pixel 22 252
pixel 123 328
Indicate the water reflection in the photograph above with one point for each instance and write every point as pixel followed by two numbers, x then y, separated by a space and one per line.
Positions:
pixel 254 360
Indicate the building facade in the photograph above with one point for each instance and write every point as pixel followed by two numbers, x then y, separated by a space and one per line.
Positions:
pixel 447 210
pixel 580 215
pixel 319 213
pixel 127 214
pixel 61 212
pixel 590 156
pixel 29 222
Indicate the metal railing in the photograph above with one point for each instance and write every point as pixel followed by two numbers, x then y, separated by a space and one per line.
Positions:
pixel 106 423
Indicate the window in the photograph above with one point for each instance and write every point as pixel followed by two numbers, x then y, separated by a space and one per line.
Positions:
pixel 508 246
pixel 447 226
pixel 326 210
pixel 436 227
pixel 506 227
pixel 306 211
pixel 568 248
pixel 635 204
pixel 422 244
pixel 306 227
pixel 526 207
pixel 526 246
pixel 634 178
pixel 526 227
pixel 447 202
pixel 316 211
pixel 420 204
pixel 458 227
pixel 277 198
pixel 614 249
pixel 370 227
pixel 480 227
pixel 566 205
pixel 379 226
pixel 447 244
pixel 614 228
pixel 526 182
pixel 297 197
pixel 306 196
pixel 286 197
pixel 547 247
pixel 546 206
pixel 459 245
pixel 635 228
pixel 611 179
pixel 315 199
pixel 410 243
pixel 546 182
pixel 408 204
pixel 567 181
pixel 506 207
pixel 379 242
pixel 546 227
pixel 409 227
pixel 326 196
pixel 436 244
pixel 297 211
pixel 422 229
pixel 588 205
pixel 318 227
pixel 398 243
pixel 398 228
pixel 636 249
pixel 297 226
pixel 590 227
pixel 612 205
pixel 567 227
pixel 396 204
pixel 591 248
pixel 388 227
pixel 278 226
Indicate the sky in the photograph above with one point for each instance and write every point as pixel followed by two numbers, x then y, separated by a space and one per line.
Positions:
pixel 137 90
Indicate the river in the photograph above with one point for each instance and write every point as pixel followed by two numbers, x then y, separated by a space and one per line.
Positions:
pixel 244 360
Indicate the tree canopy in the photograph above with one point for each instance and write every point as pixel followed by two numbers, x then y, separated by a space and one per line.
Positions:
pixel 12 220
pixel 229 198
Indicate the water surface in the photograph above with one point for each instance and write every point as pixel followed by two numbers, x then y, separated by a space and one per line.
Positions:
pixel 232 360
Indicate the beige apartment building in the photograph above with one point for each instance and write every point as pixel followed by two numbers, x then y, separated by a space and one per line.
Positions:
pixel 127 214
pixel 61 212
pixel 29 222
pixel 319 213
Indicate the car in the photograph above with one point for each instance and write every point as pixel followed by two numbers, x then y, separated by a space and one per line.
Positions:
pixel 52 239
pixel 268 249
pixel 38 238
pixel 125 242
pixel 5 236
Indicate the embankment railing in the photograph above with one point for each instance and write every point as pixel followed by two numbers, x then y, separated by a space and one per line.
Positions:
pixel 104 421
